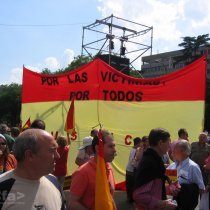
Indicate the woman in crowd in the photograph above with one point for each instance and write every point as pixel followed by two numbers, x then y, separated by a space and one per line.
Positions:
pixel 149 189
pixel 7 160
pixel 61 163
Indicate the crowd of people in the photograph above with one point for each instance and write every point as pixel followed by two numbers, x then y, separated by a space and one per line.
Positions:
pixel 34 164
pixel 33 169
pixel 149 180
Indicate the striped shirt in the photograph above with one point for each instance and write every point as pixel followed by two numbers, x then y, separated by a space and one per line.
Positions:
pixel 148 195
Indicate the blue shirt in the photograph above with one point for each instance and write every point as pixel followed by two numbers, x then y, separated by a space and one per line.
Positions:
pixel 188 172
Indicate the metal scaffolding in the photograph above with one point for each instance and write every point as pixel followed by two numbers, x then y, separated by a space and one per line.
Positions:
pixel 116 36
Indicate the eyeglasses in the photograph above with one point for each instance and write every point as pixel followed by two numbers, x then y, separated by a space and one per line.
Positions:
pixel 2 143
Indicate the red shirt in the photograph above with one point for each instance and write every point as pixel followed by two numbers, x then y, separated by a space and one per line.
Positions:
pixel 61 163
pixel 84 181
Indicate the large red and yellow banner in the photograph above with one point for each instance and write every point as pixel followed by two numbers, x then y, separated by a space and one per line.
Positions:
pixel 126 106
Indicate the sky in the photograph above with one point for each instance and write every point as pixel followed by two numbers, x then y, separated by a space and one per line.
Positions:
pixel 48 33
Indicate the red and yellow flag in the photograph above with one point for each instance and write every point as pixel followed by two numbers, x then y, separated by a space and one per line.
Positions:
pixel 104 95
pixel 172 174
pixel 70 120
pixel 27 124
pixel 103 197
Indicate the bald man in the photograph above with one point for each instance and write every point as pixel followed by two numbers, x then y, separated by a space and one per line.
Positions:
pixel 26 187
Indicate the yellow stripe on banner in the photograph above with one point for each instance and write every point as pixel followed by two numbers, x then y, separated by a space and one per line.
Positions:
pixel 121 118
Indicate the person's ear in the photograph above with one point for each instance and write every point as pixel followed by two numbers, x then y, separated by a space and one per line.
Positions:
pixel 29 155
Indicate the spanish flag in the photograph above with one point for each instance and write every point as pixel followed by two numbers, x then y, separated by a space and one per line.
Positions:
pixel 103 197
pixel 70 120
pixel 102 93
pixel 27 124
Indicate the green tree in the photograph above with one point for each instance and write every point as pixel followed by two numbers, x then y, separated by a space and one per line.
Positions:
pixel 76 63
pixel 191 47
pixel 46 71
pixel 10 100
pixel 135 73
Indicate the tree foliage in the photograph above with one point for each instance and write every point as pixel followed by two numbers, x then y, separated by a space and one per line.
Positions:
pixel 191 47
pixel 46 71
pixel 76 63
pixel 10 100
pixel 10 95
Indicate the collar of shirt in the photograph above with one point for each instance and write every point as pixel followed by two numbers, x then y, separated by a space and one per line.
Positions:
pixel 183 163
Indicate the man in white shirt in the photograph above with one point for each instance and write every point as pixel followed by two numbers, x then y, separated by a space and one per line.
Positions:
pixel 189 176
pixel 27 187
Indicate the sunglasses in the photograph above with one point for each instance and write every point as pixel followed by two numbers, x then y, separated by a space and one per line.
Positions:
pixel 2 143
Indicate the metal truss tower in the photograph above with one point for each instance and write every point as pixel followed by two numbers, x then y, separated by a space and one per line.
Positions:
pixel 116 36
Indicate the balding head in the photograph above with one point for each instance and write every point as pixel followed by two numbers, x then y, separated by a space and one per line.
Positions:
pixel 30 139
pixel 36 153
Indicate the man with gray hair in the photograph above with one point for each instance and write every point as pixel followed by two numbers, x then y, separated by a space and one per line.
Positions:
pixel 26 187
pixel 199 153
pixel 189 176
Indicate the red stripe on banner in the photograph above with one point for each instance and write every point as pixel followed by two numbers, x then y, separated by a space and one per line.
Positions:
pixel 98 81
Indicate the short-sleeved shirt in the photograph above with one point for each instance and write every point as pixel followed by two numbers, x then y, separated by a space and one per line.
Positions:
pixel 61 163
pixel 19 193
pixel 84 181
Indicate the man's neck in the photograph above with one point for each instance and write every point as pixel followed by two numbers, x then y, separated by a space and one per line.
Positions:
pixel 182 159
pixel 202 143
pixel 26 173
pixel 157 150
